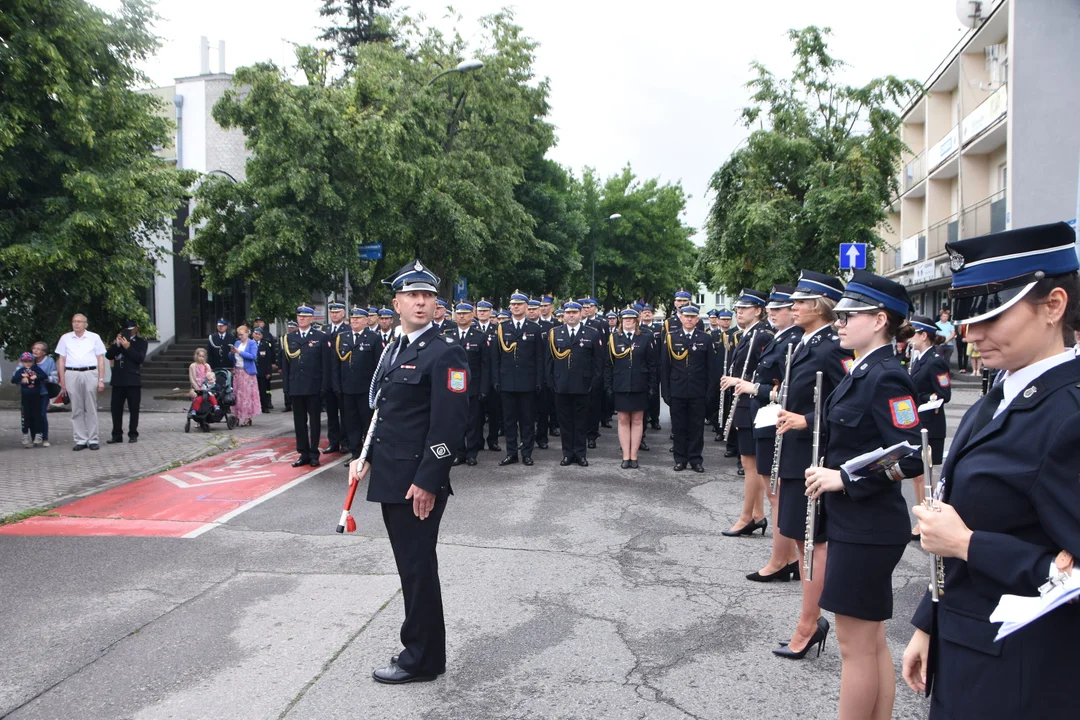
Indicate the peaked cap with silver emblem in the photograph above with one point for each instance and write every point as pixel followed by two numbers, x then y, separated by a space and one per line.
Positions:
pixel 414 277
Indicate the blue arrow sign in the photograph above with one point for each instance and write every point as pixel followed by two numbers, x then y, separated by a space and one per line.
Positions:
pixel 852 256
pixel 371 251
pixel 461 290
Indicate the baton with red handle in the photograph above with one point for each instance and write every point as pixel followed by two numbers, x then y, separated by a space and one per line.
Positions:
pixel 347 521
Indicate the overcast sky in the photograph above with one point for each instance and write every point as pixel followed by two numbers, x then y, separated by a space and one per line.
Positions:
pixel 658 85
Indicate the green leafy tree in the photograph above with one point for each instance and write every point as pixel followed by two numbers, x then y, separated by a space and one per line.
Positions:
pixel 82 195
pixel 647 252
pixel 364 21
pixel 818 169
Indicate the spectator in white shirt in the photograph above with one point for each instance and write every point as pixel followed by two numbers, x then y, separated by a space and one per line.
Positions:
pixel 81 364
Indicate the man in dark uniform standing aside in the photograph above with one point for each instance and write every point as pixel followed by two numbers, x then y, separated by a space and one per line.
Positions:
pixel 305 360
pixel 219 347
pixel 491 406
pixel 335 409
pixel 518 374
pixel 126 354
pixel 355 354
pixel 574 360
pixel 265 362
pixel 422 403
pixel 686 366
pixel 474 341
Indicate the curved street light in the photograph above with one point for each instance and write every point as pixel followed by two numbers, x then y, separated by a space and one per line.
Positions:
pixel 465 66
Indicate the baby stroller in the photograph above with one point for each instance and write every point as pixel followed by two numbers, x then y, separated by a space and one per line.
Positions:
pixel 214 403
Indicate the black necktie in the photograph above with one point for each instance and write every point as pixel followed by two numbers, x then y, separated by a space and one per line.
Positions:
pixel 355 338
pixel 572 334
pixel 989 405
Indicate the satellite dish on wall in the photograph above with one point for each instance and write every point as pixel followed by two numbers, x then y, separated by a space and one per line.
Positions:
pixel 970 12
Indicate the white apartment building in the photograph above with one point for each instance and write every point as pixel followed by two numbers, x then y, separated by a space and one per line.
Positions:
pixel 994 141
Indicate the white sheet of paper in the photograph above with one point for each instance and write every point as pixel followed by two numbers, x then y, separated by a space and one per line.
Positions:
pixel 858 462
pixel 1016 611
pixel 931 405
pixel 767 416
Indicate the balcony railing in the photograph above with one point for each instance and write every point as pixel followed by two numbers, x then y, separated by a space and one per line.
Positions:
pixel 940 233
pixel 914 172
pixel 986 216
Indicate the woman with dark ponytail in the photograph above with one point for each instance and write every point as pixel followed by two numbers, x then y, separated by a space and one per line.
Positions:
pixel 1008 517
pixel 866 517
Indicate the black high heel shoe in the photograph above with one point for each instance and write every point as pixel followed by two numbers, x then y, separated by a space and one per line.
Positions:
pixel 749 528
pixel 784 574
pixel 818 638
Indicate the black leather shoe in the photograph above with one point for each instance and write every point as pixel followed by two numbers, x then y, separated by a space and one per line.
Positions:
pixel 655 426
pixel 696 467
pixel 508 460
pixel 671 436
pixel 133 440
pixel 555 432
pixel 456 461
pixel 592 444
pixel 93 446
pixel 285 410
pixel 494 447
pixel 394 675
pixel 77 448
pixel 583 462
pixel 606 423
pixel 566 461
pixel 331 449
pixel 633 464
pixel 113 441
pixel 740 471
pixel 782 575
pixel 470 461
pixel 314 462
pixel 625 465
pixel 301 462
pixel 542 445
pixel 679 467
pixel 749 528
pixel 818 638
pixel 644 446
pixel 730 453
pixel 527 461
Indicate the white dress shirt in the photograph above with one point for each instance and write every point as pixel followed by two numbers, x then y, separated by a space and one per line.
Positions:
pixel 1015 382
pixel 80 351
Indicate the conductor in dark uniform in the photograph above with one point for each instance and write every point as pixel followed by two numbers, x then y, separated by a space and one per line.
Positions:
pixel 306 371
pixel 518 374
pixel 686 367
pixel 126 353
pixel 219 345
pixel 423 403
pixel 356 352
pixel 474 342
pixel 574 366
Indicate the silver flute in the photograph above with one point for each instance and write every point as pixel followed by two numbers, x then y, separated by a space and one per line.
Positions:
pixel 742 376
pixel 937 563
pixel 774 476
pixel 812 505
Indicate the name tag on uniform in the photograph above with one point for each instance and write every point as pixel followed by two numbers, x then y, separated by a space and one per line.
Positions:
pixel 312 343
pixel 408 367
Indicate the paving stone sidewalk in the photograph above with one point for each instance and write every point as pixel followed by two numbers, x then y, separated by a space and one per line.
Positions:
pixel 43 477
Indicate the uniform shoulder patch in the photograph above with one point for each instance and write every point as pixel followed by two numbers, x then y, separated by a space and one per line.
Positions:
pixel 944 380
pixel 440 451
pixel 449 339
pixel 903 412
pixel 848 363
pixel 456 380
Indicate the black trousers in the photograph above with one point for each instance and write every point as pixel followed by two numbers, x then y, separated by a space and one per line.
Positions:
pixel 493 416
pixel 688 425
pixel 133 396
pixel 542 413
pixel 264 392
pixel 474 436
pixel 31 412
pixel 335 420
pixel 423 634
pixel 552 415
pixel 307 424
pixel 519 415
pixel 573 411
pixel 652 413
pixel 712 407
pixel 596 408
pixel 357 419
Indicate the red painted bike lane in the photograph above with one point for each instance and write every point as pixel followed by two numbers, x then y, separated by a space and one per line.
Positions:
pixel 184 502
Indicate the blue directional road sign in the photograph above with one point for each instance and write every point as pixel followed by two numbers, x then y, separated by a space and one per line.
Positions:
pixel 461 290
pixel 852 256
pixel 371 251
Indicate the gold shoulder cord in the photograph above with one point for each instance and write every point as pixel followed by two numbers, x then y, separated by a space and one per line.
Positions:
pixel 511 348
pixel 671 350
pixel 615 354
pixel 292 355
pixel 337 348
pixel 558 354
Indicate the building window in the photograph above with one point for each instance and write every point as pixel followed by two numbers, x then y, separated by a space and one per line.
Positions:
pixel 700 299
pixel 719 299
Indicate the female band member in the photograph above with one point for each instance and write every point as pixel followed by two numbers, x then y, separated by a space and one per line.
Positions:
pixel 1009 489
pixel 818 350
pixel 630 378
pixel 750 312
pixel 929 371
pixel 764 389
pixel 865 517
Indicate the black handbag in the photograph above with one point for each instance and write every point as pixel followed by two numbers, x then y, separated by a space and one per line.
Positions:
pixel 53 388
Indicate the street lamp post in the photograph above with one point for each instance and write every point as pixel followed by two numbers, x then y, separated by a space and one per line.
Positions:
pixel 462 67
pixel 592 292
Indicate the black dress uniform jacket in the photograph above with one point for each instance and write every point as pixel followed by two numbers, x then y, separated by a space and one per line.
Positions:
pixel 753 341
pixel 690 377
pixel 1014 483
pixel 930 373
pixel 770 373
pixel 872 407
pixel 127 365
pixel 476 350
pixel 583 369
pixel 821 352
pixel 520 369
pixel 423 406
pixel 311 372
pixel 355 359
pixel 639 371
pixel 217 350
pixel 266 358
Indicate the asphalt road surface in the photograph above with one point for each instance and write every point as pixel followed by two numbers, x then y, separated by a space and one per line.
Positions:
pixel 570 593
